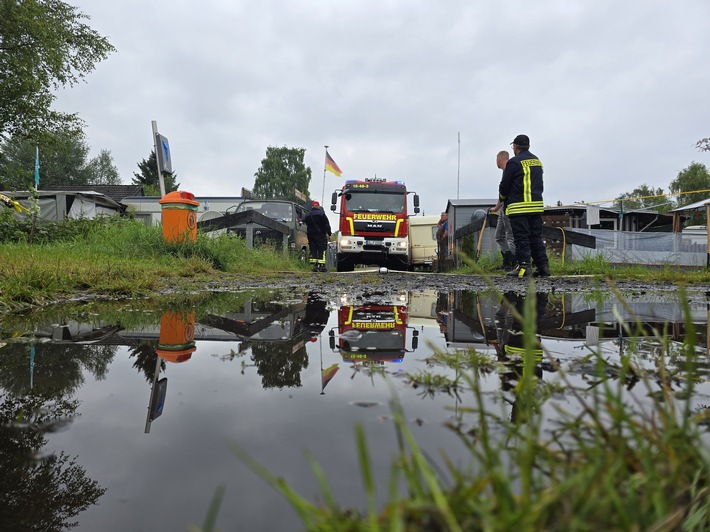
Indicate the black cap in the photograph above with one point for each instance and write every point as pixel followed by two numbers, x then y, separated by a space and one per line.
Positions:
pixel 521 140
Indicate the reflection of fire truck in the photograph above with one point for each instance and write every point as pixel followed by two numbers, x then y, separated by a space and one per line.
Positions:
pixel 372 332
pixel 373 224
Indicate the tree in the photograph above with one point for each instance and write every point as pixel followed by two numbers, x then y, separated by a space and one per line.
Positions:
pixel 280 172
pixel 703 144
pixel 63 161
pixel 148 177
pixel 43 494
pixel 691 179
pixel 644 197
pixel 44 45
pixel 103 171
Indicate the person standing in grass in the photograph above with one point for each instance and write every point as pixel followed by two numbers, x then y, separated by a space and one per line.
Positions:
pixel 318 231
pixel 520 190
pixel 504 233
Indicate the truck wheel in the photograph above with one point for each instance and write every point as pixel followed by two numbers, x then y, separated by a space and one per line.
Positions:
pixel 344 264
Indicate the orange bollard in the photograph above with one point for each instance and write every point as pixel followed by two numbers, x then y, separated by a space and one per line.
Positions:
pixel 179 216
pixel 177 336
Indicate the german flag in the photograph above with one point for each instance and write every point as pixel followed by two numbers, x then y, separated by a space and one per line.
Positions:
pixel 331 165
pixel 327 374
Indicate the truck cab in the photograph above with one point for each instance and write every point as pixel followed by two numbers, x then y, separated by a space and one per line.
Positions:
pixel 373 224
pixel 286 212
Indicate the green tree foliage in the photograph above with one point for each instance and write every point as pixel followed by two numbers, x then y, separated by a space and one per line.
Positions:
pixel 644 197
pixel 44 45
pixel 148 177
pixel 103 171
pixel 63 161
pixel 41 494
pixel 280 172
pixel 693 178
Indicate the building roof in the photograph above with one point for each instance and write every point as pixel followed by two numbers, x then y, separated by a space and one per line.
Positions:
pixel 115 192
pixel 470 202
pixel 692 207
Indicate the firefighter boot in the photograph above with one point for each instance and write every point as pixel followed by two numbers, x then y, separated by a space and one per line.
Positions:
pixel 511 263
pixel 542 271
pixel 520 271
pixel 506 264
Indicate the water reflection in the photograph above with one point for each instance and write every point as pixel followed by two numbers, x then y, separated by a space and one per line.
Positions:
pixel 373 331
pixel 253 368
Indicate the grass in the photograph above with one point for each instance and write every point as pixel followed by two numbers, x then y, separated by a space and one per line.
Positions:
pixel 597 266
pixel 123 257
pixel 611 461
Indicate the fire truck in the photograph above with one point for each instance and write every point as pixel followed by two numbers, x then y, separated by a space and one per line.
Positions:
pixel 372 332
pixel 373 224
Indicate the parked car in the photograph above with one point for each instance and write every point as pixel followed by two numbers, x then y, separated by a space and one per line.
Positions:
pixel 286 212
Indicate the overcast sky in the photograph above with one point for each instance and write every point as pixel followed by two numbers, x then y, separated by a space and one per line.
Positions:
pixel 612 94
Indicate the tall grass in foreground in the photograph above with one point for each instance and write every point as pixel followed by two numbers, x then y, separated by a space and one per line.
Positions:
pixel 613 463
pixel 122 256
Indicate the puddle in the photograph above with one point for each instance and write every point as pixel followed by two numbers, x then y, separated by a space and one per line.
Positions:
pixel 125 413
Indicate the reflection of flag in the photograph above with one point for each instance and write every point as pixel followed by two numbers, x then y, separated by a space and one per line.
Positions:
pixel 37 168
pixel 331 165
pixel 327 374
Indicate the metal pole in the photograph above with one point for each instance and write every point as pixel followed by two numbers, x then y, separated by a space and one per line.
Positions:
pixel 157 162
pixel 322 195
pixel 458 169
pixel 153 391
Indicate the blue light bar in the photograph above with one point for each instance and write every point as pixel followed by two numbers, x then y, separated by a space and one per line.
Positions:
pixel 351 181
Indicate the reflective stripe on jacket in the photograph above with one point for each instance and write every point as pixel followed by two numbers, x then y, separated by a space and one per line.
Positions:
pixel 521 185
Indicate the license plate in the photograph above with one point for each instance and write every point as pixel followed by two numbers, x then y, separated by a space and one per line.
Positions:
pixel 373 243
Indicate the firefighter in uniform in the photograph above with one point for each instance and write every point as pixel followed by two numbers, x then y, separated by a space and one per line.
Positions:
pixel 520 191
pixel 318 231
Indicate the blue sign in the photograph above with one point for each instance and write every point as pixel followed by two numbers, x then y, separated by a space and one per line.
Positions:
pixel 165 162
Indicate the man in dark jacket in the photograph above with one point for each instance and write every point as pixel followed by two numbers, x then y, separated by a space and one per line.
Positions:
pixel 318 231
pixel 520 191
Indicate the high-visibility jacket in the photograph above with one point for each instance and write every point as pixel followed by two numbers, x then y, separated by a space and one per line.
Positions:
pixel 521 186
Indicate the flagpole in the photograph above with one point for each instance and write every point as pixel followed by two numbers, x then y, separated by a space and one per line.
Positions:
pixel 458 168
pixel 325 163
pixel 320 343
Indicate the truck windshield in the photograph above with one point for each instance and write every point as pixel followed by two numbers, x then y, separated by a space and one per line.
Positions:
pixel 281 212
pixel 374 202
pixel 374 340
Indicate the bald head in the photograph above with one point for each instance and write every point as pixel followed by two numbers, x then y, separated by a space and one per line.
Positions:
pixel 502 159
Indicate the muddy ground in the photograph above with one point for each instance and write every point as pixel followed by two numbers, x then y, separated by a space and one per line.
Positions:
pixel 361 283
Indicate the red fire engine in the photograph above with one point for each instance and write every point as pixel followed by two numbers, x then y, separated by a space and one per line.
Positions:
pixel 373 224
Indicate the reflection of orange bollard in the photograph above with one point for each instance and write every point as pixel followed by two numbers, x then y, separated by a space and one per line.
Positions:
pixel 179 216
pixel 177 336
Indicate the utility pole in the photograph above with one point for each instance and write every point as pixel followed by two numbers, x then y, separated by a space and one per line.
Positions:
pixel 458 169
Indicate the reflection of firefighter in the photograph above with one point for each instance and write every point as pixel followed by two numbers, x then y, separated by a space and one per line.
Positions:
pixel 442 312
pixel 318 232
pixel 316 316
pixel 509 329
pixel 510 346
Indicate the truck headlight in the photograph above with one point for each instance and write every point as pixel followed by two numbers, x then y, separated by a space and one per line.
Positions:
pixel 345 242
pixel 402 245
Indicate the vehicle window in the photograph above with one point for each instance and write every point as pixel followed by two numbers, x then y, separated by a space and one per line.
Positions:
pixel 433 232
pixel 375 202
pixel 281 212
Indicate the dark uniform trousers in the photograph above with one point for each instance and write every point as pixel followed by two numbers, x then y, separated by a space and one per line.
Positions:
pixel 527 232
pixel 317 244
